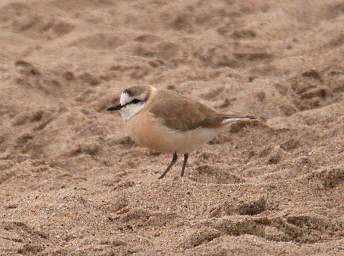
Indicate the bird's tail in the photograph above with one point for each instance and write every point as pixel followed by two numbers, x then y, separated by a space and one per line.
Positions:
pixel 228 119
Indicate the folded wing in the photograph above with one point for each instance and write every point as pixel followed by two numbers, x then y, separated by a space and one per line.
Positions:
pixel 180 113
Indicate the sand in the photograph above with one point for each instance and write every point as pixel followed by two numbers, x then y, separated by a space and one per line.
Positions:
pixel 73 183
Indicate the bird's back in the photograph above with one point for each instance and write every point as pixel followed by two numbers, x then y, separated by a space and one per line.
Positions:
pixel 181 113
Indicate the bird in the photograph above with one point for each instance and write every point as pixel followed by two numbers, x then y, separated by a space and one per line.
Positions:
pixel 169 122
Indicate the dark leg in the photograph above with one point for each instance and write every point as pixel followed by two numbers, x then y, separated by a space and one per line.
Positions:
pixel 174 159
pixel 186 156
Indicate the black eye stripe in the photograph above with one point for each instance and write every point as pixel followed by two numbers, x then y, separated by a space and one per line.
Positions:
pixel 134 101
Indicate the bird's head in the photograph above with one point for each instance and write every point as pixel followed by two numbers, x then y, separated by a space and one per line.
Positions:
pixel 131 101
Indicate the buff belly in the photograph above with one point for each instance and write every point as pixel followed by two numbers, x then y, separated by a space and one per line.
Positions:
pixel 147 131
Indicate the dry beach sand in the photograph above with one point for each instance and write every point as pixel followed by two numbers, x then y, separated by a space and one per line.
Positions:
pixel 72 183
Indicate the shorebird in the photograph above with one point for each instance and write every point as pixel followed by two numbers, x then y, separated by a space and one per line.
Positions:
pixel 168 122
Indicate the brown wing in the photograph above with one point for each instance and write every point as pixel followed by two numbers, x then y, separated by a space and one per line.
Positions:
pixel 183 114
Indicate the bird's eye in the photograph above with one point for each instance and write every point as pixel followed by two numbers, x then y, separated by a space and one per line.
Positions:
pixel 134 101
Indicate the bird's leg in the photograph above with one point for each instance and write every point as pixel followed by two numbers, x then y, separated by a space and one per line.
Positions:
pixel 174 159
pixel 186 156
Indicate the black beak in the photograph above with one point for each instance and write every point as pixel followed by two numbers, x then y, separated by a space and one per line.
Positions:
pixel 114 108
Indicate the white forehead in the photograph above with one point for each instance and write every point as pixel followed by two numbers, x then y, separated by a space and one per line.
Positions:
pixel 125 98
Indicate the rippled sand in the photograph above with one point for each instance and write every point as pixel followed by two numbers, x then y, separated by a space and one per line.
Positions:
pixel 73 183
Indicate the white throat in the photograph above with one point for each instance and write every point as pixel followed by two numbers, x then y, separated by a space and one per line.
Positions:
pixel 131 109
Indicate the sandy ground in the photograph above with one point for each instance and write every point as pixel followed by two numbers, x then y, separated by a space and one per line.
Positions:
pixel 72 183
